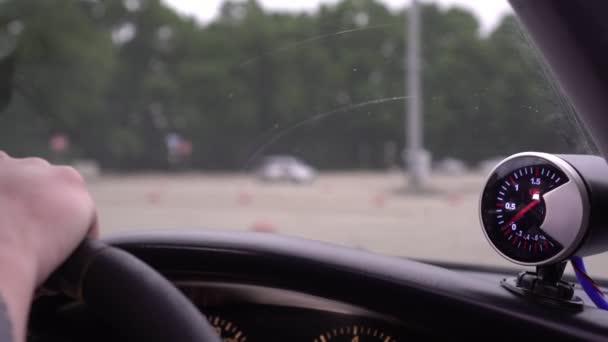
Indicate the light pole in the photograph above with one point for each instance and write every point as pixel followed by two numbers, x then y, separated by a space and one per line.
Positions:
pixel 414 152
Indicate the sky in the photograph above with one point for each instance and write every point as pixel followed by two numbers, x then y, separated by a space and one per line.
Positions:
pixel 489 12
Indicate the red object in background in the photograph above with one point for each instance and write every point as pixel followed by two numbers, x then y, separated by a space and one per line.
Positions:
pixel 184 148
pixel 379 200
pixel 455 199
pixel 263 226
pixel 59 143
pixel 153 197
pixel 244 198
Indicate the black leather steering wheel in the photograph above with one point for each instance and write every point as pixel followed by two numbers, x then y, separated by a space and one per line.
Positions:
pixel 139 303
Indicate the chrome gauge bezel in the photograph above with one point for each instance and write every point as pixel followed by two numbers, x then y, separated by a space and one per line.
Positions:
pixel 577 206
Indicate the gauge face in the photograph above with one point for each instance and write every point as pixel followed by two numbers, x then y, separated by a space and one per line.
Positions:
pixel 227 330
pixel 355 333
pixel 513 208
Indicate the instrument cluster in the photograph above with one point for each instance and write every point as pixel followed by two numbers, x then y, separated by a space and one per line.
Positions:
pixel 241 313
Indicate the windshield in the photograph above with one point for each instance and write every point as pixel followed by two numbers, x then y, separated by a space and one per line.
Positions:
pixel 321 120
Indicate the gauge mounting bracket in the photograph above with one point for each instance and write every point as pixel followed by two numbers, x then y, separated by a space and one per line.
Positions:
pixel 545 286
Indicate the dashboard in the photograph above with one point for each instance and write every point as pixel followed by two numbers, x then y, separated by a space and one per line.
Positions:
pixel 238 313
pixel 266 287
pixel 242 313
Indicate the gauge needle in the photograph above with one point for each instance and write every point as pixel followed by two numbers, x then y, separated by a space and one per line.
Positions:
pixel 521 212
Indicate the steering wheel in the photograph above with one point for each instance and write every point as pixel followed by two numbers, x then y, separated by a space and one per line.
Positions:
pixel 131 296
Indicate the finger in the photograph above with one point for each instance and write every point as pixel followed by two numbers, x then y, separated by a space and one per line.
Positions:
pixel 35 161
pixel 3 155
pixel 70 173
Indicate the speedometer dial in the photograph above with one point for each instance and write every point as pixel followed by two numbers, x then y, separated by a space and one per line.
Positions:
pixel 515 214
pixel 355 333
pixel 227 330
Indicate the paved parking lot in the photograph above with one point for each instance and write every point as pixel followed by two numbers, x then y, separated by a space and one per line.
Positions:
pixel 359 209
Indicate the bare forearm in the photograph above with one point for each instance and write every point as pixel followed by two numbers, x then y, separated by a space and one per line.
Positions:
pixel 17 283
pixel 6 327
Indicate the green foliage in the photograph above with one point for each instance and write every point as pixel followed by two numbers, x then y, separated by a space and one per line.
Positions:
pixel 117 76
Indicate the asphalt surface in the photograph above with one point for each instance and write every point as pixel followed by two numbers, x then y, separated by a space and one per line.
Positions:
pixel 361 210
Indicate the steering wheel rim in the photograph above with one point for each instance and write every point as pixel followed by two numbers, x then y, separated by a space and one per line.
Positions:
pixel 130 295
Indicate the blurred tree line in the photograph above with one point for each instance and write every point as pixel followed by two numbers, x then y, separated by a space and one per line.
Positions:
pixel 117 76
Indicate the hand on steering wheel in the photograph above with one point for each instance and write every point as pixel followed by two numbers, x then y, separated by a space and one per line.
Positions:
pixel 45 213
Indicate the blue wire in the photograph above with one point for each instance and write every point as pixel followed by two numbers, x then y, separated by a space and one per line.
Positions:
pixel 594 294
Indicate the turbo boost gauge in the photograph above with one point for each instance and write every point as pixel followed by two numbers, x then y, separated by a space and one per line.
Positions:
pixel 539 209
pixel 534 209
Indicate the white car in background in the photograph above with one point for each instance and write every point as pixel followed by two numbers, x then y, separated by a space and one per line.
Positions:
pixel 285 168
